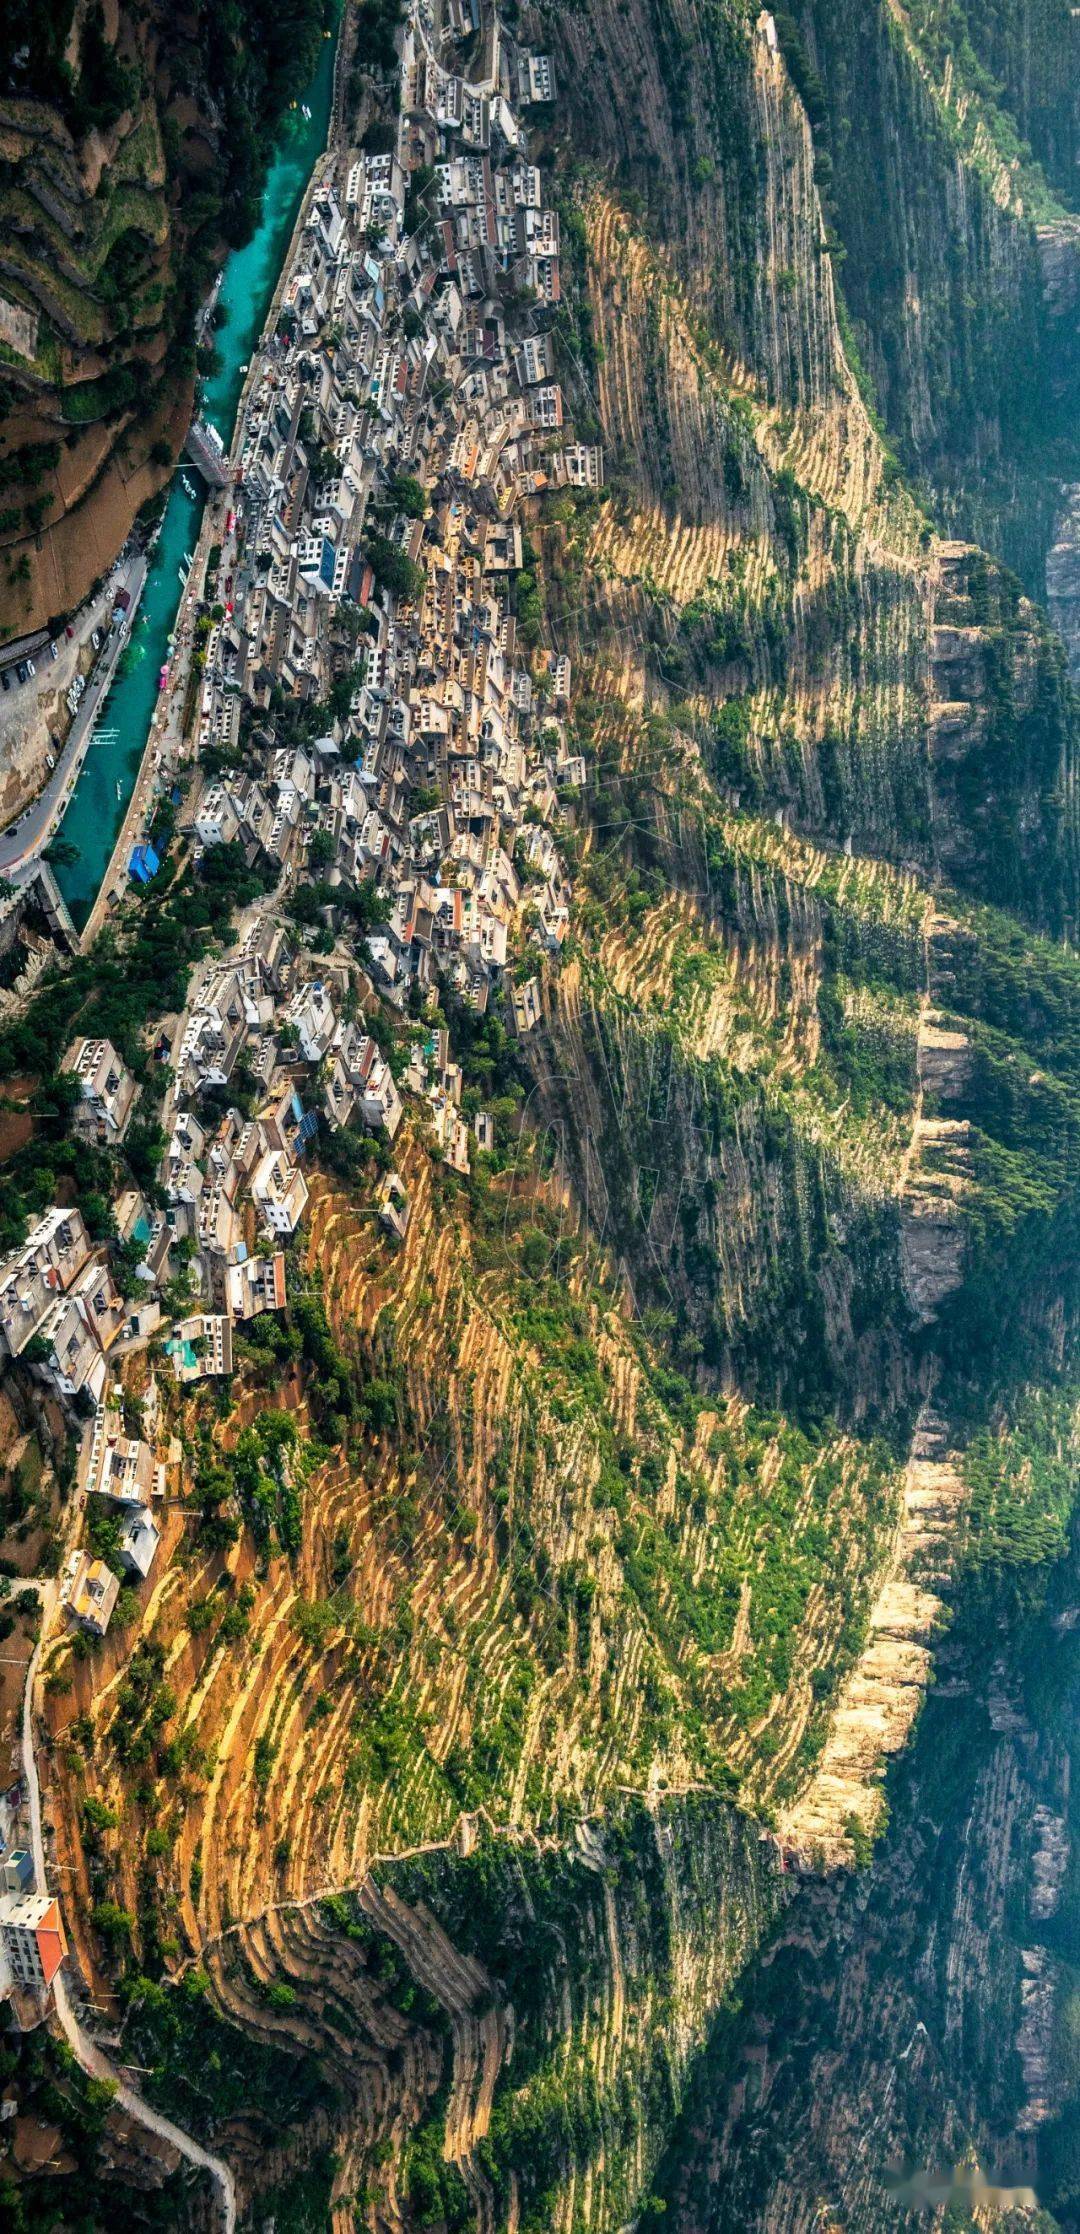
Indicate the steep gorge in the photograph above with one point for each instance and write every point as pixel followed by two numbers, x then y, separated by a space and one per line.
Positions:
pixel 617 1577
pixel 912 2033
pixel 960 252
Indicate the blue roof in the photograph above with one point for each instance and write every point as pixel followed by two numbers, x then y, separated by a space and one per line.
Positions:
pixel 306 1130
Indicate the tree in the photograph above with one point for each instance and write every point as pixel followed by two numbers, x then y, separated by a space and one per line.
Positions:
pixel 113 1922
pixel 379 1406
pixel 407 495
pixel 105 86
pixel 393 571
pixel 340 696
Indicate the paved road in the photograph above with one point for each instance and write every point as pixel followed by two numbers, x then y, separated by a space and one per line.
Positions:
pixel 82 2047
pixel 164 737
pixel 99 2067
pixel 21 844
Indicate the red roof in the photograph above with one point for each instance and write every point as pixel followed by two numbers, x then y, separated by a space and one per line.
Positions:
pixel 51 1943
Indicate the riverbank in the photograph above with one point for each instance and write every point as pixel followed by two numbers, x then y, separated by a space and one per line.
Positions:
pixel 163 753
pixel 116 785
pixel 25 840
pixel 36 726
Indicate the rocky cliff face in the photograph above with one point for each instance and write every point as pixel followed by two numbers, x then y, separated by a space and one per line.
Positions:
pixel 908 2036
pixel 1063 577
pixel 1029 48
pixel 960 259
pixel 537 1619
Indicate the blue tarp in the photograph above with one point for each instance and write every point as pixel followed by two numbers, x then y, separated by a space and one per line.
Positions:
pixel 144 863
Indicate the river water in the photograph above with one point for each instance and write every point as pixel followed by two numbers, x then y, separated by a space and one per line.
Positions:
pixel 107 779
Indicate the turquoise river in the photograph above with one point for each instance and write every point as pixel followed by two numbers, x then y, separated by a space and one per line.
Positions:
pixel 107 779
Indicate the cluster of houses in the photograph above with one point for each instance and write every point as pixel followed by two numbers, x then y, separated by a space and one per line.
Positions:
pixel 63 1315
pixel 405 410
pixel 401 417
pixel 60 1308
pixel 208 1254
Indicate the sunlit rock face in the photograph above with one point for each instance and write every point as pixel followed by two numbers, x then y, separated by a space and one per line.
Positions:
pixel 1063 578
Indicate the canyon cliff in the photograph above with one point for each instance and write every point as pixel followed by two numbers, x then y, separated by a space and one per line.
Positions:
pixel 478 1827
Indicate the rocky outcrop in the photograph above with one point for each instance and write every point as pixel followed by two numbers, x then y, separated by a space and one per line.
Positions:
pixel 881 1699
pixel 1063 577
pixel 938 1172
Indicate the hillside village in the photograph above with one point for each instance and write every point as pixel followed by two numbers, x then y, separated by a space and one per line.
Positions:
pixel 371 729
pixel 539 1418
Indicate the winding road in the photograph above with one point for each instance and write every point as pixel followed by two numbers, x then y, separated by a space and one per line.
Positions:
pixel 85 2051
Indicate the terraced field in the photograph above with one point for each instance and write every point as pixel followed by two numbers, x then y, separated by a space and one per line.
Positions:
pixel 547 1594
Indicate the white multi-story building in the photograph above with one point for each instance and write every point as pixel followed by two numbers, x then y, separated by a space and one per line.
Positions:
pixel 106 1087
pixel 53 1253
pixel 280 1190
pixel 32 1941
